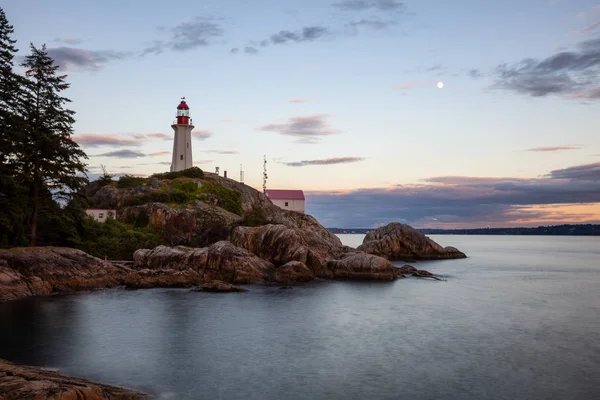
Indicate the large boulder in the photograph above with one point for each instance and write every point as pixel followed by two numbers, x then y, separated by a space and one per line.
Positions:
pixel 45 270
pixel 281 244
pixel 221 261
pixel 397 241
pixel 361 266
pixel 17 382
pixel 293 272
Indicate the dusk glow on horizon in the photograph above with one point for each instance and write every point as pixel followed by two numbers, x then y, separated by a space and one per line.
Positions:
pixel 343 98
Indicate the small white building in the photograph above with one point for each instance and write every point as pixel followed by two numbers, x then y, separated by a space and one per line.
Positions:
pixel 101 214
pixel 292 200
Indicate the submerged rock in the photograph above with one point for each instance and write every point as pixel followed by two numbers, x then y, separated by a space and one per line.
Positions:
pixel 397 241
pixel 218 286
pixel 17 382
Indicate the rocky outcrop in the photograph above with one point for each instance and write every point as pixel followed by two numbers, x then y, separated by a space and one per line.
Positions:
pixel 219 287
pixel 281 244
pixel 221 261
pixel 28 383
pixel 397 241
pixel 195 225
pixel 46 270
pixel 293 272
pixel 361 266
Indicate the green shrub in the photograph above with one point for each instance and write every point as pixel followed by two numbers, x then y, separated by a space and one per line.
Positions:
pixel 185 186
pixel 155 196
pixel 193 172
pixel 228 199
pixel 115 240
pixel 139 220
pixel 129 181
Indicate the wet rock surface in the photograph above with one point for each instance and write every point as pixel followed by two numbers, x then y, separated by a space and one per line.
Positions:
pixel 29 383
pixel 219 287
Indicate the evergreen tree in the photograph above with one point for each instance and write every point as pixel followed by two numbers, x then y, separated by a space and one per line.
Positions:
pixel 47 156
pixel 11 196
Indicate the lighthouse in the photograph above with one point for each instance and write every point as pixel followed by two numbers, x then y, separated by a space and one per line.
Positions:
pixel 182 143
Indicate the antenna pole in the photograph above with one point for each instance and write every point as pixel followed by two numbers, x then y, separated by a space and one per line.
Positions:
pixel 265 175
pixel 241 174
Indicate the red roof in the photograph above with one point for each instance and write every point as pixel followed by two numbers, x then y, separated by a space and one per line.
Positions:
pixel 183 105
pixel 285 194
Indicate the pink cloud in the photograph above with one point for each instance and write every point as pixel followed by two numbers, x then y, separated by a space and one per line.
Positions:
pixel 95 140
pixel 587 28
pixel 298 100
pixel 159 153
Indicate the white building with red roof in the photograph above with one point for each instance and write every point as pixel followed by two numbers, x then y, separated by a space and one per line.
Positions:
pixel 292 200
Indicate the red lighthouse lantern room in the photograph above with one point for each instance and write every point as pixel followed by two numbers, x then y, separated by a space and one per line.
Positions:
pixel 183 113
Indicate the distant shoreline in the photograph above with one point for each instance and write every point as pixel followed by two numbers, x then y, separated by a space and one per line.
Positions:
pixel 556 230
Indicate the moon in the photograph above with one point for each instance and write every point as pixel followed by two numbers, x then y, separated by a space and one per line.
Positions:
pixel 440 85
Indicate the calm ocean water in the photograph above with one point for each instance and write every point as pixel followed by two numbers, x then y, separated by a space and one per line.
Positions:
pixel 518 319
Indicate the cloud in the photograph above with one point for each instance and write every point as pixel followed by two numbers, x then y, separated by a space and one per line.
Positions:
pixel 374 24
pixel 327 161
pixel 163 136
pixel 225 152
pixel 70 41
pixel 571 74
pixel 202 134
pixel 462 201
pixel 475 73
pixel 588 28
pixel 309 129
pixel 412 84
pixel 587 172
pixel 159 153
pixel 307 34
pixel 95 140
pixel 362 5
pixel 555 148
pixel 190 34
pixel 250 50
pixel 71 58
pixel 122 154
pixel 298 100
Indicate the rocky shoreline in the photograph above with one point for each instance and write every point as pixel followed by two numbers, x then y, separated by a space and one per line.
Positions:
pixel 253 255
pixel 30 383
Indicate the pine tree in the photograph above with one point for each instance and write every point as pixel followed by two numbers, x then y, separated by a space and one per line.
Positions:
pixel 11 199
pixel 48 157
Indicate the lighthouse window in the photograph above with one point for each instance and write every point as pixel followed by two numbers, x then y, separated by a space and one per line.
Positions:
pixel 188 145
pixel 181 157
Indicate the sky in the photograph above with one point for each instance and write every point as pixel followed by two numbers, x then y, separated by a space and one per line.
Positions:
pixel 344 99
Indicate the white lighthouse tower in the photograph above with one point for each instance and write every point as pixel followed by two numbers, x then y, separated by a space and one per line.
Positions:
pixel 182 143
